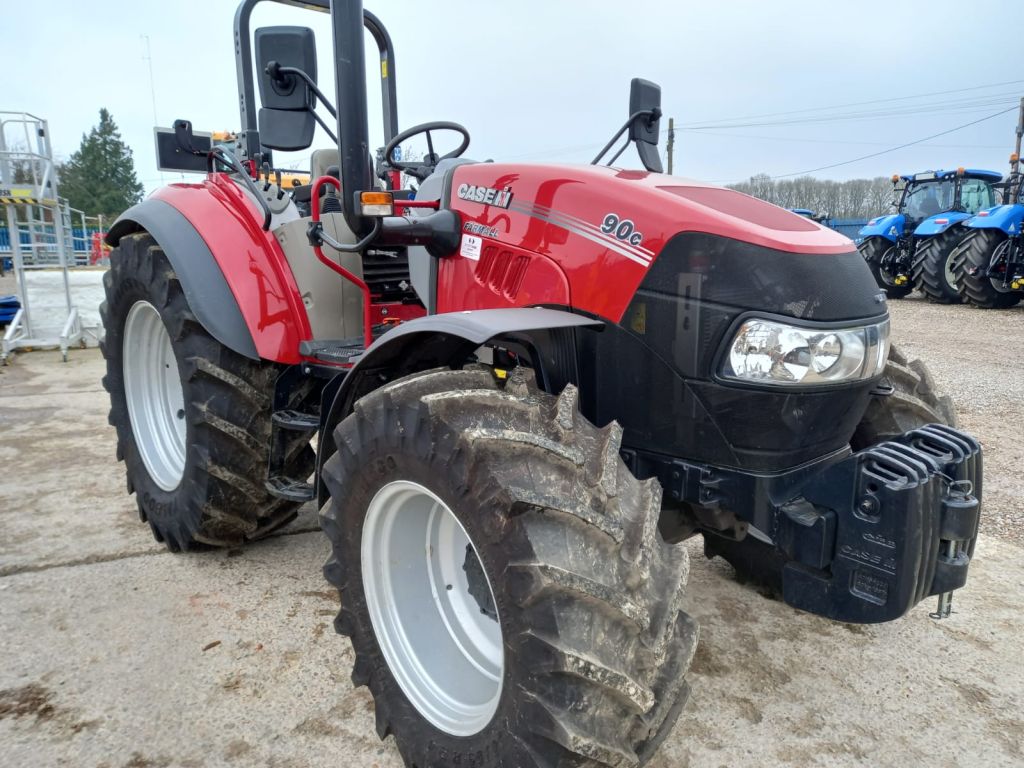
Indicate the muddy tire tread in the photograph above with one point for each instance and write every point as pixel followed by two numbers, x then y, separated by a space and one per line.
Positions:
pixel 221 501
pixel 621 641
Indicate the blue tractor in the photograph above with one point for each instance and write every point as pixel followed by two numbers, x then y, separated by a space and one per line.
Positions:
pixel 988 264
pixel 912 247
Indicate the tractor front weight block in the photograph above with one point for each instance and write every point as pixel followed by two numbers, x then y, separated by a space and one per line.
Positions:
pixel 879 531
pixel 861 537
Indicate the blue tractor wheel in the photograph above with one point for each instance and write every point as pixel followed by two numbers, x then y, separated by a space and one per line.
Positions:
pixel 878 253
pixel 932 271
pixel 971 259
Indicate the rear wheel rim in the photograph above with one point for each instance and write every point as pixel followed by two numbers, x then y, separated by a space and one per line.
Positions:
pixel 950 275
pixel 1000 254
pixel 153 392
pixel 446 654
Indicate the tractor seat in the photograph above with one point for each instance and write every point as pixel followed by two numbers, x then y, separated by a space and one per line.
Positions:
pixel 322 159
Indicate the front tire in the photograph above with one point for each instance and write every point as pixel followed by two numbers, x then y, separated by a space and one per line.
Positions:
pixel 933 270
pixel 914 402
pixel 560 538
pixel 874 249
pixel 975 254
pixel 192 417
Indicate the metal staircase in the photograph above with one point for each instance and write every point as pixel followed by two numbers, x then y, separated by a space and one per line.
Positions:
pixel 39 224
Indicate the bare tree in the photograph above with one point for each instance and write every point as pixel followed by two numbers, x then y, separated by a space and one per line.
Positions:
pixel 851 199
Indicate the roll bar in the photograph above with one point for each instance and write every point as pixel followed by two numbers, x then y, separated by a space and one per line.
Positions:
pixel 348 18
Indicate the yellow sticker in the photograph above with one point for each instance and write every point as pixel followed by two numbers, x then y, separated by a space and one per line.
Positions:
pixel 383 69
pixel 639 319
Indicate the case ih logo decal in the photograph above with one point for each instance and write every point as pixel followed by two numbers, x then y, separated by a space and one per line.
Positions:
pixel 500 198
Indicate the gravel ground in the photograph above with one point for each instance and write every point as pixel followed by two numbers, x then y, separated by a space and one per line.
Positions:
pixel 118 654
pixel 973 356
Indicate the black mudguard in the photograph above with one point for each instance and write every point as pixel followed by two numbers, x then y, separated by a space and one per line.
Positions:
pixel 444 340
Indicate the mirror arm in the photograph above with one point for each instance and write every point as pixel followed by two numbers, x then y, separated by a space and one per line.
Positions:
pixel 608 146
pixel 323 125
pixel 651 114
pixel 616 155
pixel 274 69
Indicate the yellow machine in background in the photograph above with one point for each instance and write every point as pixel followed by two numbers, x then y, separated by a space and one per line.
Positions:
pixel 289 179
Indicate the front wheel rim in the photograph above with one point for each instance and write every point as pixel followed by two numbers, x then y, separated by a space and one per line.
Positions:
pixel 445 652
pixel 153 392
pixel 889 257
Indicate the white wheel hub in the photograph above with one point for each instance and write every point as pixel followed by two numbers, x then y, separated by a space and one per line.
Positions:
pixel 418 565
pixel 152 387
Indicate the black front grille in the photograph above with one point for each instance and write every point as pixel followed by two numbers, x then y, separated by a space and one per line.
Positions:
pixel 386 271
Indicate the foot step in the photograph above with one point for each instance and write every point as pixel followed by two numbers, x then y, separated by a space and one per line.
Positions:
pixel 290 489
pixel 296 421
pixel 336 351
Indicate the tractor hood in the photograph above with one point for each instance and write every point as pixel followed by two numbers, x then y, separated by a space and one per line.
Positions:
pixel 673 267
pixel 939 223
pixel 890 227
pixel 604 227
pixel 1008 218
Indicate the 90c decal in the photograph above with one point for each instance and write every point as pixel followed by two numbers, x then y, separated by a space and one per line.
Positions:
pixel 622 229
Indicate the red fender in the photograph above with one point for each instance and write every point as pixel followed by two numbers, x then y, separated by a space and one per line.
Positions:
pixel 251 261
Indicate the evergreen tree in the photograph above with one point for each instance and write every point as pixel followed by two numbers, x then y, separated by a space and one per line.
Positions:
pixel 100 177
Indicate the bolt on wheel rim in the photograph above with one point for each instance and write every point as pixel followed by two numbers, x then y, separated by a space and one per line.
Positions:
pixel 444 650
pixel 156 402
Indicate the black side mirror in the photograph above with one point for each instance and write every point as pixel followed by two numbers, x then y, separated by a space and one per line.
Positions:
pixel 286 120
pixel 645 96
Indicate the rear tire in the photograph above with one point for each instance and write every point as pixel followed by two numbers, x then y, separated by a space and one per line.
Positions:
pixel 587 595
pixel 211 492
pixel 873 249
pixel 975 253
pixel 933 272
pixel 913 403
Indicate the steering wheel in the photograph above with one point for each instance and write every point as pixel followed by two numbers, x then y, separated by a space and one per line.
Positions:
pixel 422 168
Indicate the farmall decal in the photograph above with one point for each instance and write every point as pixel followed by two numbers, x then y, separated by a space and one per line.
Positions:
pixel 486 195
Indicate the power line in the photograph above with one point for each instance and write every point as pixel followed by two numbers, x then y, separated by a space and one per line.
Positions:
pixel 859 103
pixel 914 109
pixel 836 142
pixel 992 100
pixel 891 149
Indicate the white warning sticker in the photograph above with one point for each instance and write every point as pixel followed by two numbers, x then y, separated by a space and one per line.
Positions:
pixel 471 247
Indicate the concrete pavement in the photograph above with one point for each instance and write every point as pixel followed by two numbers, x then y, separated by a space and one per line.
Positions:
pixel 117 653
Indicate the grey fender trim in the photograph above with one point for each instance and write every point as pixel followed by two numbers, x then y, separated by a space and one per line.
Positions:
pixel 429 342
pixel 209 296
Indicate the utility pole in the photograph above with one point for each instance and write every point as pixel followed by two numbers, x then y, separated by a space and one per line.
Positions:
pixel 152 87
pixel 1015 165
pixel 672 137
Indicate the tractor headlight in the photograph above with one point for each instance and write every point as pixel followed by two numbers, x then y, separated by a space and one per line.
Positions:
pixel 771 352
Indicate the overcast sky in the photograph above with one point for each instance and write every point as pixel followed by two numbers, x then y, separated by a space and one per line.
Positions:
pixel 549 81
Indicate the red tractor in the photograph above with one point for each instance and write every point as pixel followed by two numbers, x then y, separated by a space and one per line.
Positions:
pixel 528 384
